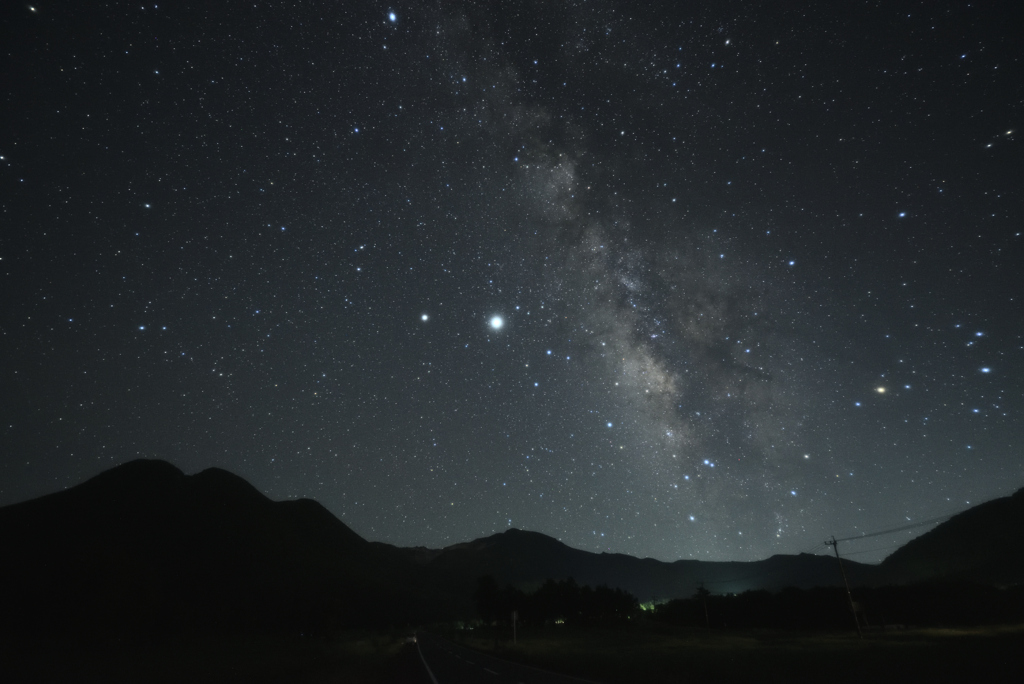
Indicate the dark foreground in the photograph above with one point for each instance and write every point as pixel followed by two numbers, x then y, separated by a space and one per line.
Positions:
pixel 657 654
pixel 639 653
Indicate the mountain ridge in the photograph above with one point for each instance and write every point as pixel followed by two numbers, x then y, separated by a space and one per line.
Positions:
pixel 144 544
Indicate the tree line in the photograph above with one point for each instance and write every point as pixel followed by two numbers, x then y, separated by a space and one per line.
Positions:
pixel 554 602
pixel 926 604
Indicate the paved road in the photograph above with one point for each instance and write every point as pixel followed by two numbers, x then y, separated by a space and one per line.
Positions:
pixel 449 663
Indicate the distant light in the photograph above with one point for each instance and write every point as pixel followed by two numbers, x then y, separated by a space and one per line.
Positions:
pixel 497 322
pixel 392 17
pixel 986 369
pixel 903 214
pixel 880 390
pixel 609 424
pixel 142 327
pixel 424 317
pixel 792 263
pixel 979 334
pixel 793 493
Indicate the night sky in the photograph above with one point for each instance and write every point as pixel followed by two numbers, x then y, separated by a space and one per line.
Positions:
pixel 681 280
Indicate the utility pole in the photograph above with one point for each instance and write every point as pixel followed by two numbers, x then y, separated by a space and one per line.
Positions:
pixel 853 611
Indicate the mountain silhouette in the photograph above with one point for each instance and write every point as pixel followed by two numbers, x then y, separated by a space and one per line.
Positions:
pixel 145 548
pixel 981 544
pixel 527 559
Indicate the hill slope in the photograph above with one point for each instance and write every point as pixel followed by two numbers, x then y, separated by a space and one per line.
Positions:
pixel 982 544
pixel 143 546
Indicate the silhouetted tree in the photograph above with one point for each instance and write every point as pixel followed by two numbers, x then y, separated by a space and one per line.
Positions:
pixel 487 598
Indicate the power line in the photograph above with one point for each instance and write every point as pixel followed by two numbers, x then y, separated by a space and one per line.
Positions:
pixel 815 548
pixel 877 548
pixel 902 528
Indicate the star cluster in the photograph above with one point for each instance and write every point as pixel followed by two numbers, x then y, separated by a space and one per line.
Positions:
pixel 676 281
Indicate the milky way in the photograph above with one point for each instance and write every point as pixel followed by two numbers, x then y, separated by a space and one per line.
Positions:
pixel 713 282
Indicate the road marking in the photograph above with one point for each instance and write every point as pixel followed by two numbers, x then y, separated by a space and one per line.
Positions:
pixel 424 660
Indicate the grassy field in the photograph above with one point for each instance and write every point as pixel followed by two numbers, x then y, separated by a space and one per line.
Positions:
pixel 649 653
pixel 657 654
pixel 356 657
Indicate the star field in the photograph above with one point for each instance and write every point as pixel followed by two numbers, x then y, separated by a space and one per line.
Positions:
pixel 712 281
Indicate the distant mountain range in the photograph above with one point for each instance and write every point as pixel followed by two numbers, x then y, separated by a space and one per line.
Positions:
pixel 145 547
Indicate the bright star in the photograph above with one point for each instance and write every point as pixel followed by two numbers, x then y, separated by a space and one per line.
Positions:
pixel 424 317
pixel 392 17
pixel 880 390
pixel 497 322
pixel 986 370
